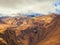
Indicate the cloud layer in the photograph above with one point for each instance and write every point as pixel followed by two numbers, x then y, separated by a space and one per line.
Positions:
pixel 26 6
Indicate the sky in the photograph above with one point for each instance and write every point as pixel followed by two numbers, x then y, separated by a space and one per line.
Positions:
pixel 9 7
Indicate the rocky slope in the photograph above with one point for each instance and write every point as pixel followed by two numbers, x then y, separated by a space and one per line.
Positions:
pixel 42 30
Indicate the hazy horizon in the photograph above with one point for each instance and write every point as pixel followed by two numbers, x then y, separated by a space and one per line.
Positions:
pixel 9 7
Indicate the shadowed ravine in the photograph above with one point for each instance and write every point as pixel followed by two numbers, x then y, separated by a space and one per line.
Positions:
pixel 37 31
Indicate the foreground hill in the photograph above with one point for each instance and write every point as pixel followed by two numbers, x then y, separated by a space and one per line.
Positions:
pixel 42 30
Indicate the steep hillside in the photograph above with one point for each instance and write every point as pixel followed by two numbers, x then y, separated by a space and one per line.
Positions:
pixel 42 30
pixel 53 34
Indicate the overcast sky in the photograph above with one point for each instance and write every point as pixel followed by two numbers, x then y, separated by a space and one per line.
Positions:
pixel 26 6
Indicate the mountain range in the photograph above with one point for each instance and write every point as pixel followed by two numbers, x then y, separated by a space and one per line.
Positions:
pixel 38 30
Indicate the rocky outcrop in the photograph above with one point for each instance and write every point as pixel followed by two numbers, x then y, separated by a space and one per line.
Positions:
pixel 44 30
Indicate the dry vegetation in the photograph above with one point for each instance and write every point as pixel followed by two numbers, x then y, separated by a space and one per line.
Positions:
pixel 43 30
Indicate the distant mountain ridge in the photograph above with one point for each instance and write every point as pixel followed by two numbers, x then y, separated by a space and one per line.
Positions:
pixel 32 14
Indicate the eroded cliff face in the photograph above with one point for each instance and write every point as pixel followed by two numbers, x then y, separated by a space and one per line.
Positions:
pixel 44 30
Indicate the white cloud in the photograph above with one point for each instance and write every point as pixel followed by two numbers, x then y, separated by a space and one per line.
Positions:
pixel 24 6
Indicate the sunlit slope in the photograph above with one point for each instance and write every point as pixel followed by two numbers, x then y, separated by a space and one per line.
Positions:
pixel 53 35
pixel 42 30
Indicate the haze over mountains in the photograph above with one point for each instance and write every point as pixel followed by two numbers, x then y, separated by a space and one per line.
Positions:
pixel 20 14
pixel 37 30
